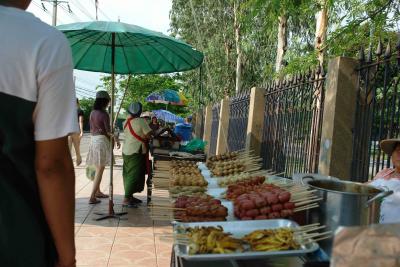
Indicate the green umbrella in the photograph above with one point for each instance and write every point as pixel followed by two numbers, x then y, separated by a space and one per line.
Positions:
pixel 119 48
pixel 137 50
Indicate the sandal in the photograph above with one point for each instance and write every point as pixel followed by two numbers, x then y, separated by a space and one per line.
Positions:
pixel 136 200
pixel 94 201
pixel 101 195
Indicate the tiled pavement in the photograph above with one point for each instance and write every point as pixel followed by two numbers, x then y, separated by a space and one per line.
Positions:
pixel 134 241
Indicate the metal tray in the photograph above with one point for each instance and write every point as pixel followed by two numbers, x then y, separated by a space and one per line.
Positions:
pixel 239 229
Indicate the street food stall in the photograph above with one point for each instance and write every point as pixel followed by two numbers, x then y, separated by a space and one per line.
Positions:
pixel 228 212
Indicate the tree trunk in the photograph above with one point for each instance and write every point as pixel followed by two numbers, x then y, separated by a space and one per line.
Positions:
pixel 282 42
pixel 238 49
pixel 320 32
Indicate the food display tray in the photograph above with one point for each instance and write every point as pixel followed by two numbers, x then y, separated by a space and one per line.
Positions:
pixel 238 230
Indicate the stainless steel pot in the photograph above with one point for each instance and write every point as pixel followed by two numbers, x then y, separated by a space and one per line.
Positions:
pixel 343 203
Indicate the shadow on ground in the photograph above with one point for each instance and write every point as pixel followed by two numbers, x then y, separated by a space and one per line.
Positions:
pixel 85 214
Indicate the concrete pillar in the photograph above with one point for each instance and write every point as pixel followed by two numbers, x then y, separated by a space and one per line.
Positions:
pixel 256 120
pixel 339 112
pixel 222 140
pixel 207 127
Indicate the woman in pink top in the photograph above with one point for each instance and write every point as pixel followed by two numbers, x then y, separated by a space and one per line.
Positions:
pixel 99 153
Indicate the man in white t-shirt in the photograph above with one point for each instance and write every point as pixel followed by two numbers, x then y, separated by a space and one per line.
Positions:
pixel 38 112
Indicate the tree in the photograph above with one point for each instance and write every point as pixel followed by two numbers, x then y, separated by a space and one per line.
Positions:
pixel 250 42
pixel 140 86
pixel 86 105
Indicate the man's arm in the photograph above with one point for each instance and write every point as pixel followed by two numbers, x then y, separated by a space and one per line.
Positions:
pixel 56 181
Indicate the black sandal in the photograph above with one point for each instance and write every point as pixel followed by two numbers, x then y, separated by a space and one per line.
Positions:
pixel 136 200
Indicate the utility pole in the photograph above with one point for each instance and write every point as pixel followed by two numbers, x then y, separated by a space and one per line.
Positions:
pixel 55 5
pixel 96 3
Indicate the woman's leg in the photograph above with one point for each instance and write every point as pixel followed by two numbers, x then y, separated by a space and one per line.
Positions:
pixel 96 182
pixel 76 140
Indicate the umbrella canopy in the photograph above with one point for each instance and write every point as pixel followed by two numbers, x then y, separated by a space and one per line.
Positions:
pixel 167 116
pixel 166 96
pixel 183 100
pixel 137 50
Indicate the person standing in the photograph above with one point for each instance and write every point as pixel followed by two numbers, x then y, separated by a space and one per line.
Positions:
pixel 37 103
pixel 75 138
pixel 154 125
pixel 99 153
pixel 135 154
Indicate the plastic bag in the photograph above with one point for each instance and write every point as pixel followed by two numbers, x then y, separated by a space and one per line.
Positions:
pixel 195 145
pixel 90 172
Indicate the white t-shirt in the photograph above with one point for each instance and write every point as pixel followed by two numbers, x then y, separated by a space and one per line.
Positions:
pixel 36 65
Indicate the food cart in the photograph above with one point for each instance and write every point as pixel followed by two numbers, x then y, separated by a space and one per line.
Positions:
pixel 214 176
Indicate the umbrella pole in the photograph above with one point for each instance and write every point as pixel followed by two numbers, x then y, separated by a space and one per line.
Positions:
pixel 111 213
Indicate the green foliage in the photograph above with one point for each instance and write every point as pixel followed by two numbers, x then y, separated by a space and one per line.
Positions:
pixel 209 26
pixel 86 105
pixel 140 86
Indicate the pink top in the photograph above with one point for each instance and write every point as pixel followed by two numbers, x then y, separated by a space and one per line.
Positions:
pixel 387 173
pixel 99 122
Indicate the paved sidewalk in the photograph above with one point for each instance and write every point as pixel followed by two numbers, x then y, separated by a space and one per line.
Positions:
pixel 132 242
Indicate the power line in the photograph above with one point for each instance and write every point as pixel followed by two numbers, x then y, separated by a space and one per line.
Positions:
pixel 43 8
pixel 86 82
pixel 70 13
pixel 83 10
pixel 84 92
pixel 55 6
pixel 85 89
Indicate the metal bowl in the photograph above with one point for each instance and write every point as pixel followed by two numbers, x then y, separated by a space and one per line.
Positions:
pixel 344 187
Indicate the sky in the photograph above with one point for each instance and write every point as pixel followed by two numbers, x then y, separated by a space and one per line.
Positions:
pixel 150 14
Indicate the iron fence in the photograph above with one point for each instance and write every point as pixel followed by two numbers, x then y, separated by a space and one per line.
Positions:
pixel 377 111
pixel 214 129
pixel 238 118
pixel 293 120
pixel 201 134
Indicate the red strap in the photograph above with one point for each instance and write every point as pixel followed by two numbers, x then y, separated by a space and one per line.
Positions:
pixel 128 123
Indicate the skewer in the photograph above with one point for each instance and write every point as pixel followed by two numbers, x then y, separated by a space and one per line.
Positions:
pixel 160 207
pixel 307 202
pixel 303 192
pixel 317 234
pixel 311 229
pixel 321 238
pixel 306 207
pixel 309 225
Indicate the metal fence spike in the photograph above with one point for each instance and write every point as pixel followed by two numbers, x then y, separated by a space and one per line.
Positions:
pixel 361 55
pixel 322 71
pixel 388 51
pixel 369 56
pixel 379 49
pixel 312 75
pixel 318 71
